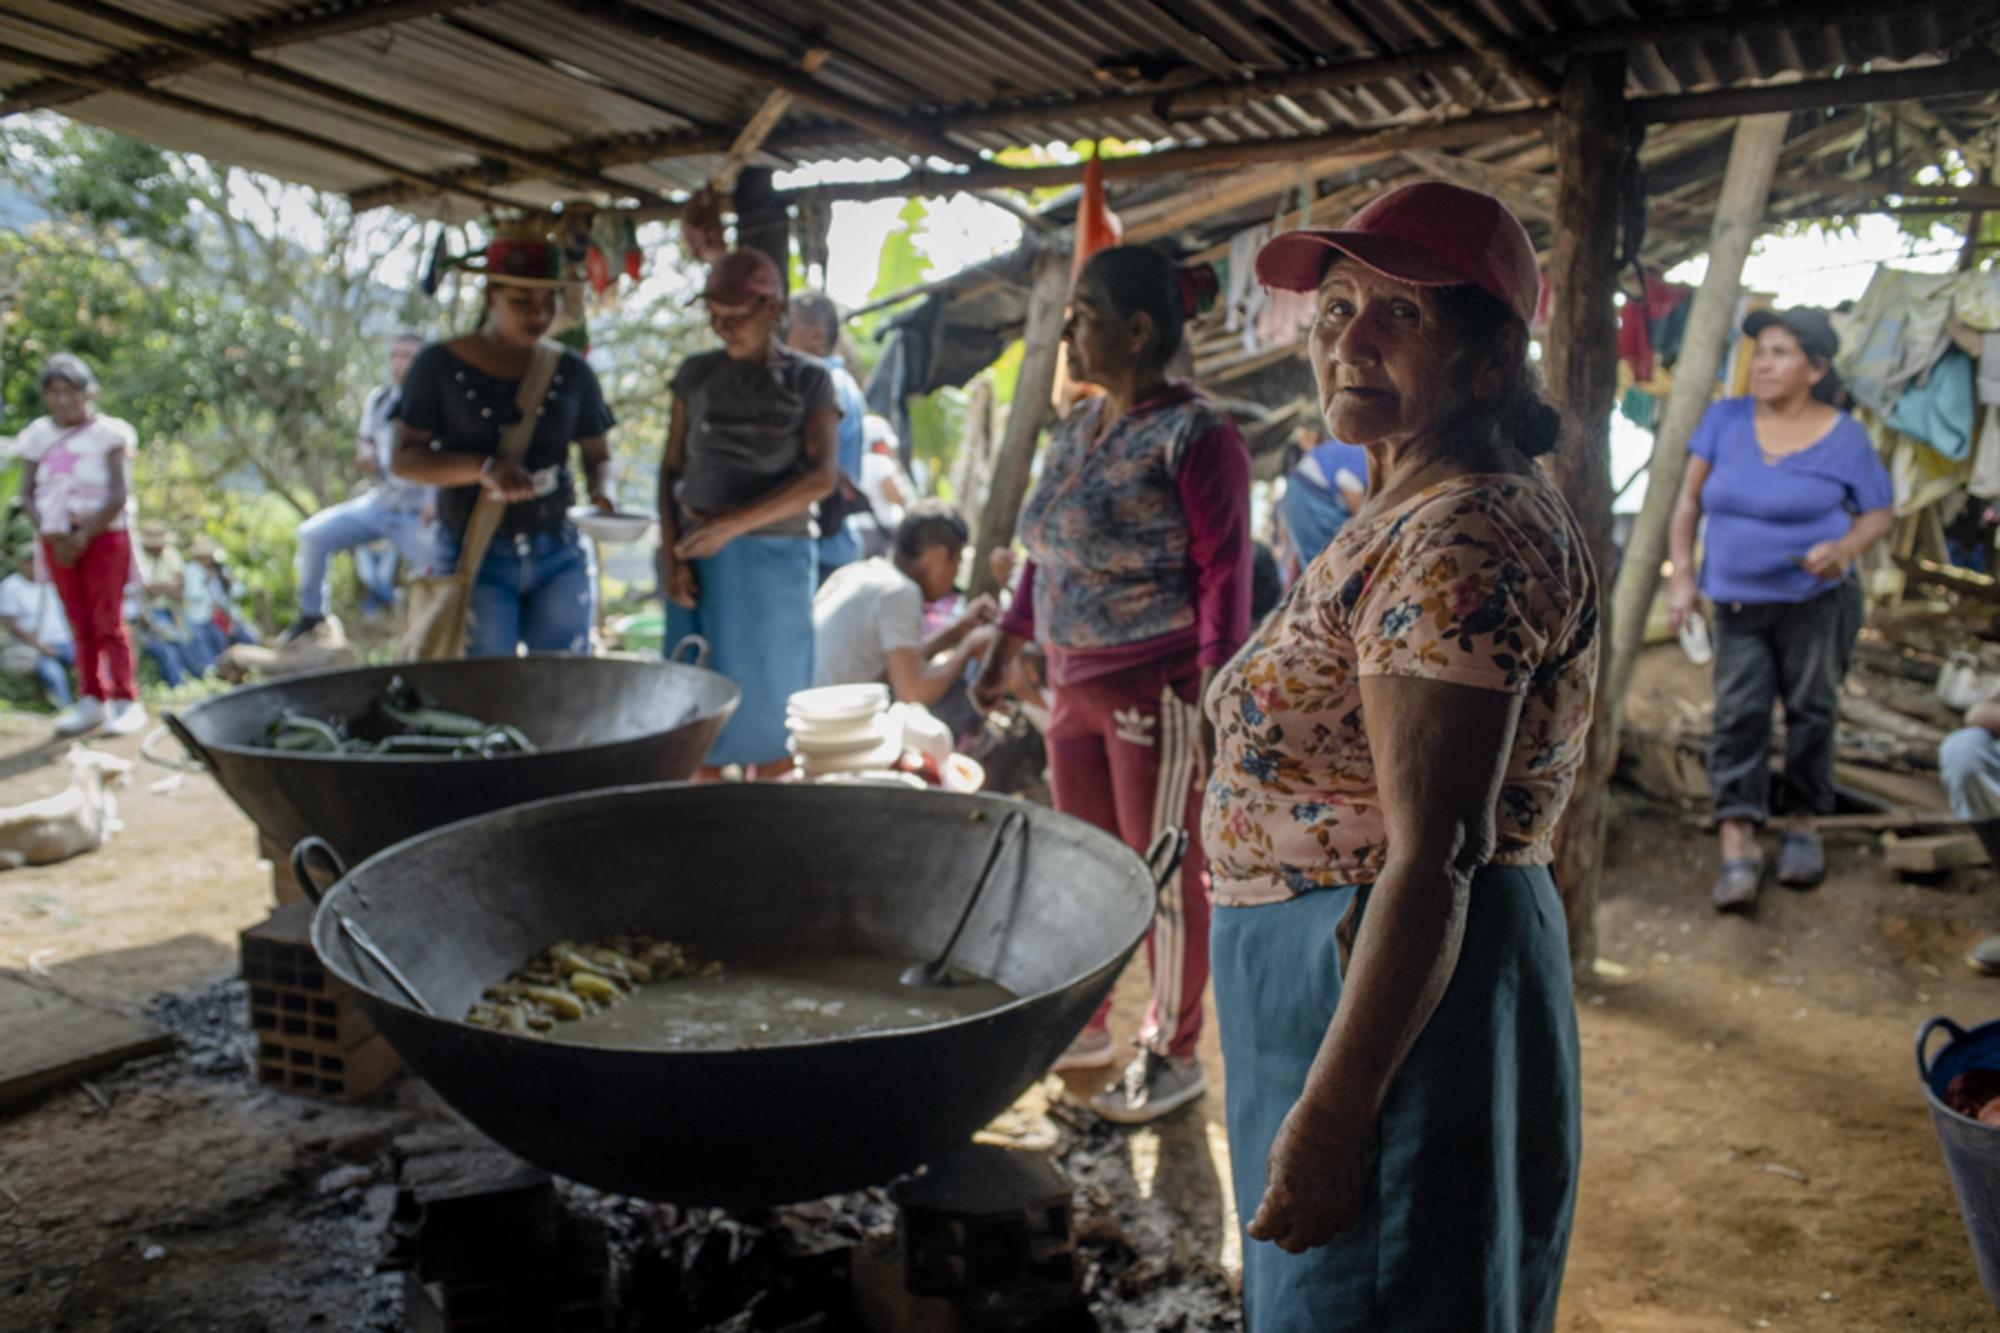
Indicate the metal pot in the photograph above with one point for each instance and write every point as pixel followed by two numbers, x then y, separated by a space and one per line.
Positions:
pixel 598 722
pixel 724 870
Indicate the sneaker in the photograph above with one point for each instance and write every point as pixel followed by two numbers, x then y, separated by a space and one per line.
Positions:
pixel 86 714
pixel 1153 1085
pixel 1092 1049
pixel 127 717
pixel 1984 956
pixel 1801 861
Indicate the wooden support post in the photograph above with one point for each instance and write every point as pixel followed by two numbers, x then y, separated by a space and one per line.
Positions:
pixel 1582 368
pixel 1739 216
pixel 1026 415
pixel 762 222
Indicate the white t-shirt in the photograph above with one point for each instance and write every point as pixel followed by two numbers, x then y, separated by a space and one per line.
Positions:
pixel 73 466
pixel 36 607
pixel 876 469
pixel 866 611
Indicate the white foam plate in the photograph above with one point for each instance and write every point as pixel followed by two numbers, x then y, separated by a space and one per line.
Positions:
pixel 834 704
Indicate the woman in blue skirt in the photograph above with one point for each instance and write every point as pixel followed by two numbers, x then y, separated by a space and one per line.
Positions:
pixel 1395 746
pixel 750 451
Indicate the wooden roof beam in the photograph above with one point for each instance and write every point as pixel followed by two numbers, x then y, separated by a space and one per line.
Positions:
pixel 693 41
pixel 91 77
pixel 1203 99
pixel 551 166
pixel 309 23
pixel 1965 76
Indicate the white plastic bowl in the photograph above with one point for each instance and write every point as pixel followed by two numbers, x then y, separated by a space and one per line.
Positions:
pixel 610 529
pixel 832 705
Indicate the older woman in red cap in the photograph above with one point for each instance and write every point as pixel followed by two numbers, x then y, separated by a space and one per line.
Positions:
pixel 533 586
pixel 750 450
pixel 1396 744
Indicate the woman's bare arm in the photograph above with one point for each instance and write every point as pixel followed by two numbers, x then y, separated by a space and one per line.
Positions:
pixel 1440 754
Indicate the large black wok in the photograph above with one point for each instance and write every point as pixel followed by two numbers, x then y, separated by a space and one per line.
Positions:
pixel 720 869
pixel 597 722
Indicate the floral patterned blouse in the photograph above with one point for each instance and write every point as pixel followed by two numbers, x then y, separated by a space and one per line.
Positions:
pixel 1480 580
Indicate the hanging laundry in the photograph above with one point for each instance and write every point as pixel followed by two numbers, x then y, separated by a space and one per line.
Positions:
pixel 1985 479
pixel 1246 296
pixel 1976 299
pixel 1650 328
pixel 1938 409
pixel 1987 389
pixel 1894 334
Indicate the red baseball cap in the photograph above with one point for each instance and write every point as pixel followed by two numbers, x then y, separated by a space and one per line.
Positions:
pixel 741 276
pixel 1429 234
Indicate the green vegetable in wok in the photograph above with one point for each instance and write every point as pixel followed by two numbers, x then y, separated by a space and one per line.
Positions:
pixel 402 722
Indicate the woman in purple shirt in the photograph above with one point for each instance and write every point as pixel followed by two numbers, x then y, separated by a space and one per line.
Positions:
pixel 1794 495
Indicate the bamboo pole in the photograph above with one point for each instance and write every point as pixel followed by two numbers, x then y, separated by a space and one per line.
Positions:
pixel 1582 368
pixel 1739 216
pixel 1026 415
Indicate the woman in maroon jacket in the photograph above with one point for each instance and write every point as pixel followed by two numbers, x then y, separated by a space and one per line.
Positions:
pixel 1138 588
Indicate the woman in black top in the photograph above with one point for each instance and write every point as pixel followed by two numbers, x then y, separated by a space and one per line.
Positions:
pixel 535 585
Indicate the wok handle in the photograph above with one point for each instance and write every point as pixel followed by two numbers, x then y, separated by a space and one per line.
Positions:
pixel 700 658
pixel 1924 1039
pixel 195 749
pixel 1163 858
pixel 302 866
pixel 1011 828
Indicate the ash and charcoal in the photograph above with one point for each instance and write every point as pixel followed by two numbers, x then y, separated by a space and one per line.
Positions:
pixel 214 1043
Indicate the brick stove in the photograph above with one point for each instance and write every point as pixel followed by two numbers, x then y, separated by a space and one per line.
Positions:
pixel 311 1036
pixel 984 1243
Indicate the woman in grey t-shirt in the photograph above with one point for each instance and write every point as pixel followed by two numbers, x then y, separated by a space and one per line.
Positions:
pixel 750 452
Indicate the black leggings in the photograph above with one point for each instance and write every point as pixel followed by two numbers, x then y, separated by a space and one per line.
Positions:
pixel 1789 651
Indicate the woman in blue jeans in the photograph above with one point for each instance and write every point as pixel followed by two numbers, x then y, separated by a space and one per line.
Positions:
pixel 535 586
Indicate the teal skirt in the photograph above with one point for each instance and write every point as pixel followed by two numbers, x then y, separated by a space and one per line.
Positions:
pixel 1473 1169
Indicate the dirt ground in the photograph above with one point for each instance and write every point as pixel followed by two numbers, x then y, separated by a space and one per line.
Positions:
pixel 1757 1153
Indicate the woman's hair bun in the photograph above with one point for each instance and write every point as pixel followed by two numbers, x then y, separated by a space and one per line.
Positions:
pixel 1538 426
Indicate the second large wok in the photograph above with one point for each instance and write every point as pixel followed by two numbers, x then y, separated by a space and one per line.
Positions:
pixel 723 870
pixel 596 722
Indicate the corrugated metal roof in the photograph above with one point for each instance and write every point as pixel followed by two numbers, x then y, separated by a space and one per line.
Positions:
pixel 538 75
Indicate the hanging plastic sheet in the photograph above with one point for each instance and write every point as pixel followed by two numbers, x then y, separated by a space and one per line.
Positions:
pixel 1937 409
pixel 1895 332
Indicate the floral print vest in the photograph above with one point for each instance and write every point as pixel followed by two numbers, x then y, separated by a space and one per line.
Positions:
pixel 1105 526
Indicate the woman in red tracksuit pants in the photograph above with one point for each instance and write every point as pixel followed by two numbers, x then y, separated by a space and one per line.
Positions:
pixel 1138 588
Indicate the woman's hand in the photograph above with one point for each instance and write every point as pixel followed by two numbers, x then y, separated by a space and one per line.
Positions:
pixel 989 689
pixel 67 548
pixel 677 582
pixel 1828 560
pixel 506 481
pixel 1314 1180
pixel 1681 598
pixel 605 504
pixel 704 537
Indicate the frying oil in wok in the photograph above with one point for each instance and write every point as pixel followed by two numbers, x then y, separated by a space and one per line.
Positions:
pixel 774 1001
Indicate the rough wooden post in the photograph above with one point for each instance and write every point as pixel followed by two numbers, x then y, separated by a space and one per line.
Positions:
pixel 1582 368
pixel 1739 216
pixel 1026 415
pixel 763 220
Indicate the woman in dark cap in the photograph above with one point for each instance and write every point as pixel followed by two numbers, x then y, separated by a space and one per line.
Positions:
pixel 534 587
pixel 1397 744
pixel 752 447
pixel 1794 495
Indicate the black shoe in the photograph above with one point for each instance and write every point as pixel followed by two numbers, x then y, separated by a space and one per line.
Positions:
pixel 299 628
pixel 1736 887
pixel 1801 861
